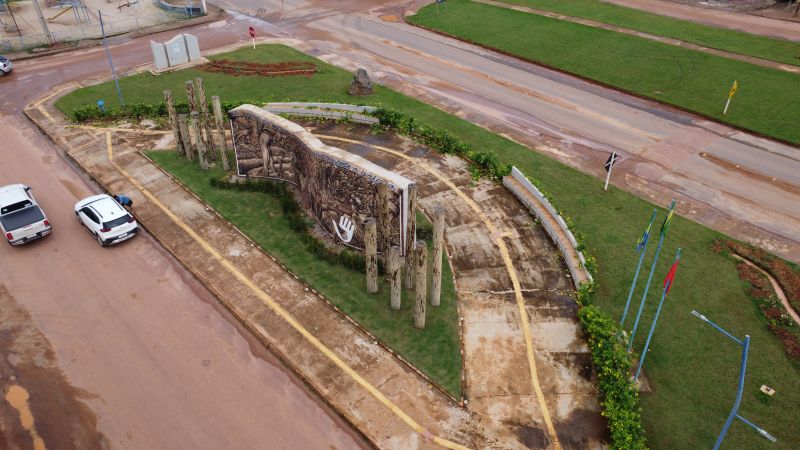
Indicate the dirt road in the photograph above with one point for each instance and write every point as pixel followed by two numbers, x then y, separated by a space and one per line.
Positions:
pixel 119 347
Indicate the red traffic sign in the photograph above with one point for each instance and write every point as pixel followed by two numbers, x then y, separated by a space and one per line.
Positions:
pixel 252 32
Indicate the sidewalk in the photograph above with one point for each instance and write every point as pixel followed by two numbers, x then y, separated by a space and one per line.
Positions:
pixel 378 394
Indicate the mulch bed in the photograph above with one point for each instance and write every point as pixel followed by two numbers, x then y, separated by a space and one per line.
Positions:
pixel 787 276
pixel 761 289
pixel 246 68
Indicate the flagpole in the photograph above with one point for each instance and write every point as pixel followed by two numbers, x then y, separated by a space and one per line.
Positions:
pixel 655 320
pixel 728 103
pixel 638 268
pixel 650 278
pixel 610 166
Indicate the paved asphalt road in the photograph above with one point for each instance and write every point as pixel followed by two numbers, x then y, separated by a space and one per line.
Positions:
pixel 729 180
pixel 120 346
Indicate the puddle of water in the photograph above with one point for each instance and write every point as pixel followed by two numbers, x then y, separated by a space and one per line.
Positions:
pixel 17 396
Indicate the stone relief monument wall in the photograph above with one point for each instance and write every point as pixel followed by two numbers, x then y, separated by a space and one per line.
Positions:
pixel 340 188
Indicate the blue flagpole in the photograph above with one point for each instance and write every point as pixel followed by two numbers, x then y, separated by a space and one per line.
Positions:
pixel 638 268
pixel 653 325
pixel 649 278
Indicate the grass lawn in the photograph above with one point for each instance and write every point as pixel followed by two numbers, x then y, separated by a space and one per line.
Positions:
pixel 768 100
pixel 733 41
pixel 692 368
pixel 259 216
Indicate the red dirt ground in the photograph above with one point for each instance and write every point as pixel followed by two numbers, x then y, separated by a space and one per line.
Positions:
pixel 245 68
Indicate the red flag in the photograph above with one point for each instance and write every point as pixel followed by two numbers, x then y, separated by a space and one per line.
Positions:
pixel 670 276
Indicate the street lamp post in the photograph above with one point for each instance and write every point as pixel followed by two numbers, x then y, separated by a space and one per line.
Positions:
pixel 110 63
pixel 742 370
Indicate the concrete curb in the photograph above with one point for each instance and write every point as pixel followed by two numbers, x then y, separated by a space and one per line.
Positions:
pixel 567 248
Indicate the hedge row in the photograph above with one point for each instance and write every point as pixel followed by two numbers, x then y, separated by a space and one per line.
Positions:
pixel 483 163
pixel 145 110
pixel 298 221
pixel 619 396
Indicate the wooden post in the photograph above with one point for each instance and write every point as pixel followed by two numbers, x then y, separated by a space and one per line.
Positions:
pixel 371 250
pixel 201 148
pixel 411 235
pixel 384 227
pixel 420 262
pixel 190 96
pixel 186 138
pixel 223 145
pixel 394 276
pixel 173 121
pixel 438 238
pixel 205 123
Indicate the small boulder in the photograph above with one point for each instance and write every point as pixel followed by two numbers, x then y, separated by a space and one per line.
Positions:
pixel 361 84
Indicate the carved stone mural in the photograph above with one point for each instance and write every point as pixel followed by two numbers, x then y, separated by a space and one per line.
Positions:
pixel 338 187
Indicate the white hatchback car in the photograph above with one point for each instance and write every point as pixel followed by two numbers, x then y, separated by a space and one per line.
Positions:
pixel 109 222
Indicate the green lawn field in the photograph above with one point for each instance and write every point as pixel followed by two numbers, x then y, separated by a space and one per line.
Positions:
pixel 787 52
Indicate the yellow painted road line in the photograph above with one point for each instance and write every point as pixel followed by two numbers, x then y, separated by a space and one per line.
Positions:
pixel 275 307
pixel 512 273
pixel 61 89
pixel 45 113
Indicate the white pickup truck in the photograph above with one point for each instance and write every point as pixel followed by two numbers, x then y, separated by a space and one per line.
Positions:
pixel 20 216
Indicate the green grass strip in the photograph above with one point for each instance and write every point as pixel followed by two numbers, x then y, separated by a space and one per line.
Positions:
pixel 767 102
pixel 723 39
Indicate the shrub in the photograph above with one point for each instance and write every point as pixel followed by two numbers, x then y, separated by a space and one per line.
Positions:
pixel 620 398
pixel 142 110
pixel 483 163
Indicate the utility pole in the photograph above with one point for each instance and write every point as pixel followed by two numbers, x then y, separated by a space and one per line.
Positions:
pixel 50 39
pixel 108 53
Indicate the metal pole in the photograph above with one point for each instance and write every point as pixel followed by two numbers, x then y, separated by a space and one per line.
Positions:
pixel 742 372
pixel 610 166
pixel 13 18
pixel 653 326
pixel 50 38
pixel 647 286
pixel 110 63
pixel 740 389
pixel 638 268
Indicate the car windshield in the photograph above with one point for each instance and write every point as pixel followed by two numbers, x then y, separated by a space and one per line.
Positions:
pixel 117 222
pixel 15 207
pixel 21 218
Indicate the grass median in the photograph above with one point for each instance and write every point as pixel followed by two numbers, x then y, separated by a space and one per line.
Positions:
pixel 767 102
pixel 692 369
pixel 780 50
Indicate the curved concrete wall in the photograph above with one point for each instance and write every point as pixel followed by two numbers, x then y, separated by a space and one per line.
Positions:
pixel 339 187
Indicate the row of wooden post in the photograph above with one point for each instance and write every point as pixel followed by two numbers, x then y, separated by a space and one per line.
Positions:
pixel 198 124
pixel 416 260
